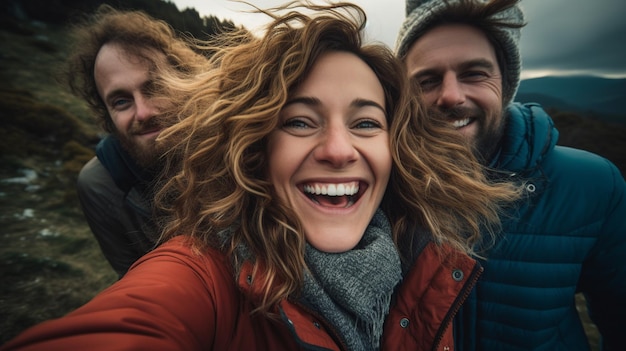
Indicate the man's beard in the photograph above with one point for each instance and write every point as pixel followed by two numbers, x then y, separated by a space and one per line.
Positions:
pixel 145 154
pixel 488 136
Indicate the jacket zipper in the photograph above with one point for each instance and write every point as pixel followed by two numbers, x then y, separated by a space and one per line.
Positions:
pixel 331 330
pixel 456 306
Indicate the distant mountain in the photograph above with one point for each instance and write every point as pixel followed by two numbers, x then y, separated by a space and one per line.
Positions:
pixel 584 94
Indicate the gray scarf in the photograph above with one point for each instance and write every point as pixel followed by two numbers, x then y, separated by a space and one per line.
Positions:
pixel 353 289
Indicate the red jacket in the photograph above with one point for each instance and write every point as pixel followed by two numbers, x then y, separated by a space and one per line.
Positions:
pixel 173 299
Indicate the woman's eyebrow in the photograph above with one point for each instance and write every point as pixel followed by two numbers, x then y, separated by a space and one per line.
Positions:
pixel 311 101
pixel 306 100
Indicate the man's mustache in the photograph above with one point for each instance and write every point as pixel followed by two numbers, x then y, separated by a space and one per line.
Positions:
pixel 462 112
pixel 153 123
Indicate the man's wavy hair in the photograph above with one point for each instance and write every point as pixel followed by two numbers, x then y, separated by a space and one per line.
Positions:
pixel 215 184
pixel 138 34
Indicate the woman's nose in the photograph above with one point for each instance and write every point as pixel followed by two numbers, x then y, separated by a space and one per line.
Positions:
pixel 336 147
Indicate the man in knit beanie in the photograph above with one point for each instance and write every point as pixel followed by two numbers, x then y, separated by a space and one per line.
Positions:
pixel 505 35
pixel 568 234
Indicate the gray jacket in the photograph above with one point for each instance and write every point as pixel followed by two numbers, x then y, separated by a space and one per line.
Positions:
pixel 121 220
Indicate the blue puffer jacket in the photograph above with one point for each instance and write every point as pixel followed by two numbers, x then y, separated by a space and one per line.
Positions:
pixel 567 236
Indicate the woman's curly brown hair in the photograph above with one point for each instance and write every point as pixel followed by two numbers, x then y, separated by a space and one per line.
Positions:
pixel 215 177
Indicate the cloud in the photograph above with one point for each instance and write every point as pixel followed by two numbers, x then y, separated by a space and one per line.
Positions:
pixel 575 35
pixel 561 35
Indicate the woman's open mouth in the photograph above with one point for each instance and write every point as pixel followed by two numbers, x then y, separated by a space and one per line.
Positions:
pixel 336 195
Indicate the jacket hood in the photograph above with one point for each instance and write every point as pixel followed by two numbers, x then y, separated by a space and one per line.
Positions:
pixel 529 135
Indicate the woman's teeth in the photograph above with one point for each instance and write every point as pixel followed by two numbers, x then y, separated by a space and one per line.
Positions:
pixel 340 189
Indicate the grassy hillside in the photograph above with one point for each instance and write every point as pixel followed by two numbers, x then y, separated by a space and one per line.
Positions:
pixel 592 134
pixel 50 263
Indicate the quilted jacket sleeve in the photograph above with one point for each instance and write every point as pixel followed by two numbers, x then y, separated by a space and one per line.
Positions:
pixel 603 279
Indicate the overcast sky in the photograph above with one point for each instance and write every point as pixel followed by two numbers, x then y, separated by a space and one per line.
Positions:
pixel 561 37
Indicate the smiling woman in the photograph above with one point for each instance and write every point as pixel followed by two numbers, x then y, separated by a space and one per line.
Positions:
pixel 308 206
pixel 333 135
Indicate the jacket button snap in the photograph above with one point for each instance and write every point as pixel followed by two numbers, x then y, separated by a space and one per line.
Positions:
pixel 457 275
pixel 404 322
pixel 531 188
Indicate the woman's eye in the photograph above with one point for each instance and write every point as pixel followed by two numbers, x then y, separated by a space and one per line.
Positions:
pixel 296 123
pixel 367 124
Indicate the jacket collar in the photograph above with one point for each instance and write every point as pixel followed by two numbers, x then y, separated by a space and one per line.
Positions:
pixel 529 135
pixel 307 327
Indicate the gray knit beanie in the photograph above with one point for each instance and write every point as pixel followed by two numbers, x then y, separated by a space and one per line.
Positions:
pixel 421 13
